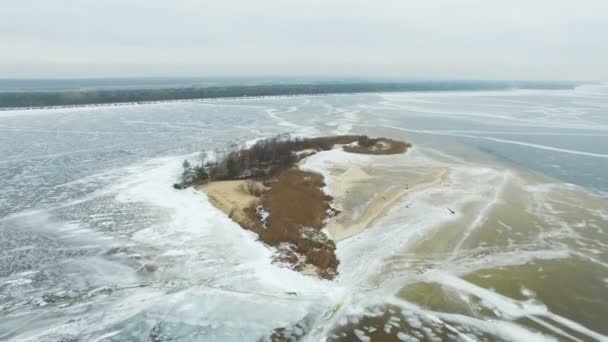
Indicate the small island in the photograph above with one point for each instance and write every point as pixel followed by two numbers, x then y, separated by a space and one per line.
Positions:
pixel 265 189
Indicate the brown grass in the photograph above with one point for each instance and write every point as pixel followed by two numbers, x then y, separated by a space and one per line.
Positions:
pixel 298 208
pixel 295 198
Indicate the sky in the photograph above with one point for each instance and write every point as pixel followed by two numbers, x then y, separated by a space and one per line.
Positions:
pixel 401 39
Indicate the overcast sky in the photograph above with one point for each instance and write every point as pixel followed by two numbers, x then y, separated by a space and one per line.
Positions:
pixel 428 39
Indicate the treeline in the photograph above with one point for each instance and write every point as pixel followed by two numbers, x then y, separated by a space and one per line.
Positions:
pixel 87 97
pixel 261 160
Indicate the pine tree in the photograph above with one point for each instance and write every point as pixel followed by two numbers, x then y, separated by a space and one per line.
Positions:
pixel 187 174
pixel 232 167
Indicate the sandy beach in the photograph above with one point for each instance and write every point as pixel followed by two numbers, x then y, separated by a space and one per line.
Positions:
pixel 364 188
pixel 232 198
pixel 361 188
pixel 385 190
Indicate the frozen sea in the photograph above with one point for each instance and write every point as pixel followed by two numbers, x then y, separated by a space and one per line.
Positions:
pixel 95 245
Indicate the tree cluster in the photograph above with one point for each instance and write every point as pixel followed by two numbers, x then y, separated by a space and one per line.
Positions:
pixel 261 160
pixel 10 99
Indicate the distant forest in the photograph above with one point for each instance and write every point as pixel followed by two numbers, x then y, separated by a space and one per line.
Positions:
pixel 20 99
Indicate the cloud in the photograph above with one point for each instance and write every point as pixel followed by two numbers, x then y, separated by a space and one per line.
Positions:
pixel 473 39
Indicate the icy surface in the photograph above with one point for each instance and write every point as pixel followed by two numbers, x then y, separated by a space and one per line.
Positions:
pixel 96 245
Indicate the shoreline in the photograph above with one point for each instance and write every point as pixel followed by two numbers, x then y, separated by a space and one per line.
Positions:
pixel 353 189
pixel 178 94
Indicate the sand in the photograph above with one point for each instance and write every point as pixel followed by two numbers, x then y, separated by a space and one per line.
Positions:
pixel 388 190
pixel 232 198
